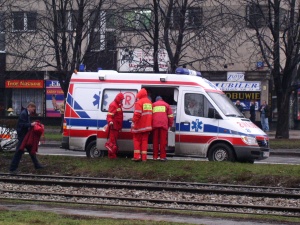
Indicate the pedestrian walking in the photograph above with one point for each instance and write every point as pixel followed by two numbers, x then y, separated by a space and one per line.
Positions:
pixel 162 120
pixel 114 120
pixel 141 125
pixel 264 115
pixel 23 127
pixel 252 111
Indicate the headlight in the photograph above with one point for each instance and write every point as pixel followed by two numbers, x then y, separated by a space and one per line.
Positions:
pixel 249 140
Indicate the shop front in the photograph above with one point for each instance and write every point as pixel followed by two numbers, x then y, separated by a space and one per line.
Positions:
pixel 18 93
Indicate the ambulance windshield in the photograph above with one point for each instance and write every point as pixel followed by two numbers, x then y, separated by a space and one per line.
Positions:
pixel 225 104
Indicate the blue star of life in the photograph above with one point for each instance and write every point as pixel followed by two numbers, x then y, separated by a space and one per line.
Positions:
pixel 197 125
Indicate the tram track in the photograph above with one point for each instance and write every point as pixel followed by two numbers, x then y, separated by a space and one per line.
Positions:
pixel 152 194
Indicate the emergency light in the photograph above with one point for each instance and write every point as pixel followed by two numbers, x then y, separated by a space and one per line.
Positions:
pixel 180 70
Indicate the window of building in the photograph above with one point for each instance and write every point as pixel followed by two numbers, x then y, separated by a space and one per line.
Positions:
pixel 2 33
pixel 192 17
pixel 257 15
pixel 102 36
pixel 67 20
pixel 136 19
pixel 24 21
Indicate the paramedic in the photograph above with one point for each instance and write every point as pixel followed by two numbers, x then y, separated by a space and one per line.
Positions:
pixel 141 125
pixel 115 121
pixel 162 119
pixel 23 127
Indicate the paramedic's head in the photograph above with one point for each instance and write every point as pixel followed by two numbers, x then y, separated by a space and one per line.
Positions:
pixel 119 98
pixel 31 107
pixel 158 98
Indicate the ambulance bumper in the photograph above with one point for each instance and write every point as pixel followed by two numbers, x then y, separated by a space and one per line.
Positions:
pixel 65 143
pixel 244 153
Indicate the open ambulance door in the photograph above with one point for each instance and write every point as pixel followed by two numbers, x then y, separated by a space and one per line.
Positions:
pixel 194 128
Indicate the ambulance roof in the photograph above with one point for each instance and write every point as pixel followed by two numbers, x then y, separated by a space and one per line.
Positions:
pixel 111 76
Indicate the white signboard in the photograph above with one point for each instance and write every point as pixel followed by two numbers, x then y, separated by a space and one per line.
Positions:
pixel 235 76
pixel 239 86
pixel 139 60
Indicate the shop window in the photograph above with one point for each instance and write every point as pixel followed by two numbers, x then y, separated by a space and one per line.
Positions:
pixel 21 98
pixel 24 21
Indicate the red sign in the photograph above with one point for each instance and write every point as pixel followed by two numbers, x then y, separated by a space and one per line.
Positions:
pixel 24 84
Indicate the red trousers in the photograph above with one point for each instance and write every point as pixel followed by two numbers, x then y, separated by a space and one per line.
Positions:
pixel 140 145
pixel 159 142
pixel 111 144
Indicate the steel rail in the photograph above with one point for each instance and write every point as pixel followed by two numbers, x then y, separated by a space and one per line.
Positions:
pixel 152 187
pixel 156 201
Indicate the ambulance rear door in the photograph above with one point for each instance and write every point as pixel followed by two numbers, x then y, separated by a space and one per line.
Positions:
pixel 85 111
pixel 194 130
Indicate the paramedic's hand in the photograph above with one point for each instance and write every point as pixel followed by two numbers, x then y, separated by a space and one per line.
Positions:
pixel 111 123
pixel 132 124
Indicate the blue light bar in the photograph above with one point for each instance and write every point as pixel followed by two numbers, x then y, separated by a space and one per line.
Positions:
pixel 180 70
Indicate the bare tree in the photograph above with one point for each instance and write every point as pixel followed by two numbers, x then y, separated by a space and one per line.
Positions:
pixel 274 30
pixel 60 36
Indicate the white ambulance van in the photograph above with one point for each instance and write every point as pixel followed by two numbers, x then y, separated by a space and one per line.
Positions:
pixel 206 123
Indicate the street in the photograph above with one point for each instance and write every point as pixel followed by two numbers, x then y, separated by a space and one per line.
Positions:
pixel 44 150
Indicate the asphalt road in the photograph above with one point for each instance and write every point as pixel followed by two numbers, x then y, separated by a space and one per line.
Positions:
pixel 273 159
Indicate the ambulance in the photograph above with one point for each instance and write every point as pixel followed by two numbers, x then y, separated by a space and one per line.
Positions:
pixel 206 123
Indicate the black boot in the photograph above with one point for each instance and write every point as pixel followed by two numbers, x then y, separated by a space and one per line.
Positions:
pixel 36 163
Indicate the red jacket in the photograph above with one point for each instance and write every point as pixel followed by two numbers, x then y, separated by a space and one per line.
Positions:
pixel 162 116
pixel 142 116
pixel 115 112
pixel 32 138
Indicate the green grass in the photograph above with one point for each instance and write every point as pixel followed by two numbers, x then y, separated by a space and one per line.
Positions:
pixel 124 168
pixel 45 218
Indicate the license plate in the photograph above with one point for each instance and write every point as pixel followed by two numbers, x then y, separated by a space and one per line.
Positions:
pixel 266 154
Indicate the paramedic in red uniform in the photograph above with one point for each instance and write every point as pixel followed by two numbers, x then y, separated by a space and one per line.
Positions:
pixel 141 125
pixel 115 121
pixel 162 119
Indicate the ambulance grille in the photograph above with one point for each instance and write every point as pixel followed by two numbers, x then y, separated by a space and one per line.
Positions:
pixel 263 143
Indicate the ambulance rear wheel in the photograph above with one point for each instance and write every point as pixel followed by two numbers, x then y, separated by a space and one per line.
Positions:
pixel 92 151
pixel 221 152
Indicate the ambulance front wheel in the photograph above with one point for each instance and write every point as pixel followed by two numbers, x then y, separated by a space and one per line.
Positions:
pixel 221 152
pixel 92 151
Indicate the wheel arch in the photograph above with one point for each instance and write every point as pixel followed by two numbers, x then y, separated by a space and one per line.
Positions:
pixel 215 142
pixel 89 140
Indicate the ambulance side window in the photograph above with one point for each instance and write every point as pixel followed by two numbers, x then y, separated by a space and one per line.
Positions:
pixel 109 95
pixel 196 105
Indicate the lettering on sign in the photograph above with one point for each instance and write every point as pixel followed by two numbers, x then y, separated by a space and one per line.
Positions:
pixel 235 76
pixel 239 86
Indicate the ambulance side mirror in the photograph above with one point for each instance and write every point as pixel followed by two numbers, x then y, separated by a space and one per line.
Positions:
pixel 212 113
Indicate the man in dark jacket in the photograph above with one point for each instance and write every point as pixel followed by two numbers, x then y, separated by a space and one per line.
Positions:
pixel 23 127
pixel 252 111
pixel 239 106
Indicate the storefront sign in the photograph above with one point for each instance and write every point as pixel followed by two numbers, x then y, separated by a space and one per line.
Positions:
pixel 235 76
pixel 140 60
pixel 24 84
pixel 239 86
pixel 54 98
